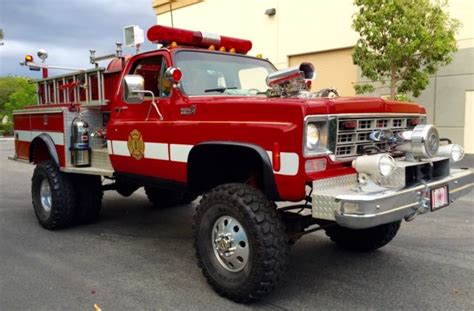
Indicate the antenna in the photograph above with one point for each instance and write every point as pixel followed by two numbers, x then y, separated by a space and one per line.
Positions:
pixel 171 13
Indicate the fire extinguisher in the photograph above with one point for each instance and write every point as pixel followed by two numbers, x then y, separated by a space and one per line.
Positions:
pixel 80 150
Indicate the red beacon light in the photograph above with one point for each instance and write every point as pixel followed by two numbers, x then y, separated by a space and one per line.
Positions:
pixel 174 74
pixel 166 35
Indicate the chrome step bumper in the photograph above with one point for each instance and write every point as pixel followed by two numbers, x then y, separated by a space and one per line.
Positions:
pixel 339 199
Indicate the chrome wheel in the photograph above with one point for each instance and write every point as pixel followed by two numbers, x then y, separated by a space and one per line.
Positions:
pixel 45 196
pixel 230 243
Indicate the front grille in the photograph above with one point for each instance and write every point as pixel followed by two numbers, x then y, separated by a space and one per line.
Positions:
pixel 353 134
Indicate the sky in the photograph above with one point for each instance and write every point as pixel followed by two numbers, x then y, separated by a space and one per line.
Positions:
pixel 67 29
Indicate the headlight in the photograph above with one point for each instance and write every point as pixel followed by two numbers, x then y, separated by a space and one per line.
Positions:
pixel 318 136
pixel 312 136
pixel 387 165
pixel 375 165
pixel 457 153
pixel 454 152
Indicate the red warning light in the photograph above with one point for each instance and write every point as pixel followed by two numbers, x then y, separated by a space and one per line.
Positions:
pixel 166 35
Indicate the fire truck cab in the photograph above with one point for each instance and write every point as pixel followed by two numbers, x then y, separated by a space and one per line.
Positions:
pixel 199 117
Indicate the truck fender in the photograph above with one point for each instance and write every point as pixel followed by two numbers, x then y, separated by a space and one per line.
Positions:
pixel 195 163
pixel 48 143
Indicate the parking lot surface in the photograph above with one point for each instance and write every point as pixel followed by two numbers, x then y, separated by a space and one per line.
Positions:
pixel 139 258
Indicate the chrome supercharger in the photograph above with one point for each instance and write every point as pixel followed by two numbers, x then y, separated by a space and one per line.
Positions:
pixel 80 150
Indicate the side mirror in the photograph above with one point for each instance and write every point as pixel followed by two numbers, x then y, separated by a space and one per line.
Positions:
pixel 133 89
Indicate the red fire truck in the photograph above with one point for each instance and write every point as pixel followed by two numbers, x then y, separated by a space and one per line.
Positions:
pixel 199 117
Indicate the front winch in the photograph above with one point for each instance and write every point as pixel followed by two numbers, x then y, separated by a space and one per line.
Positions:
pixel 422 142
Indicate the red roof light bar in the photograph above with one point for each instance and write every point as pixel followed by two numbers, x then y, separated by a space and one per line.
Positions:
pixel 166 35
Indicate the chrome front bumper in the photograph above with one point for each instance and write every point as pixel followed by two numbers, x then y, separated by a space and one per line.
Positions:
pixel 340 199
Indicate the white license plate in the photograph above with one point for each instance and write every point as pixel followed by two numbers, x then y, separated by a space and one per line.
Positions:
pixel 439 197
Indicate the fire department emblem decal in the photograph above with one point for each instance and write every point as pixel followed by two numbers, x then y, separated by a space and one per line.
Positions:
pixel 136 146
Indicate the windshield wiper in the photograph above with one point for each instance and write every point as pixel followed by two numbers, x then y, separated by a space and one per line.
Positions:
pixel 220 89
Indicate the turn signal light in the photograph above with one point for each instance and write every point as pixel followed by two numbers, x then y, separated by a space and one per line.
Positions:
pixel 348 125
pixel 276 157
pixel 413 122
pixel 315 165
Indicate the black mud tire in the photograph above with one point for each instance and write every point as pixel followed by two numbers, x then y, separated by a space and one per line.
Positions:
pixel 63 196
pixel 89 198
pixel 268 242
pixel 363 240
pixel 163 198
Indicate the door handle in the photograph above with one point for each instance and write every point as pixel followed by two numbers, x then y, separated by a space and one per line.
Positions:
pixel 118 109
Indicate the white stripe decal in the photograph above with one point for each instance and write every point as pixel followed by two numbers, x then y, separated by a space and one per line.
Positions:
pixel 120 147
pixel 109 147
pixel 179 153
pixel 289 163
pixel 23 135
pixel 156 151
pixel 57 137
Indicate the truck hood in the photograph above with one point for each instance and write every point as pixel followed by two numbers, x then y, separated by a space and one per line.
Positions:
pixel 344 105
pixel 260 107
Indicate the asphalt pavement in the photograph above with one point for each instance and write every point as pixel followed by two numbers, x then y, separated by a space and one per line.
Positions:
pixel 139 258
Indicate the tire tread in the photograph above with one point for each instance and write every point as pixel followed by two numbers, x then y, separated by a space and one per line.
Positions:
pixel 273 250
pixel 62 192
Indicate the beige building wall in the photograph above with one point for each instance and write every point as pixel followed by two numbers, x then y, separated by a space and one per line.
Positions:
pixel 333 69
pixel 298 27
pixel 320 32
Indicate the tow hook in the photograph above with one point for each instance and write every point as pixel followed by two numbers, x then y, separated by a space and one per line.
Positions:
pixel 423 204
pixel 411 217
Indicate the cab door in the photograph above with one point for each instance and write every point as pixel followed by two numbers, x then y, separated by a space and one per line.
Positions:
pixel 139 132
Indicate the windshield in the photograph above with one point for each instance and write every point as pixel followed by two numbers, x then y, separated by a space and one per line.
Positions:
pixel 207 73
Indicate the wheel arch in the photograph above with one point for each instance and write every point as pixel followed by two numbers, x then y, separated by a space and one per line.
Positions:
pixel 207 160
pixel 42 148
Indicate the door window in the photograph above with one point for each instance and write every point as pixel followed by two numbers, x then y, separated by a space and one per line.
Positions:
pixel 153 72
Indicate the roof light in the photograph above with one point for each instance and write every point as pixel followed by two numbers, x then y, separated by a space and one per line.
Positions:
pixel 28 58
pixel 166 35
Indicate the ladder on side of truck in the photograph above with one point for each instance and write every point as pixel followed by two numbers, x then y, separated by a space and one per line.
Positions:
pixel 85 87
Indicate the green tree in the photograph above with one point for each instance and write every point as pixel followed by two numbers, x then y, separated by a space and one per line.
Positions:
pixel 402 42
pixel 15 93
